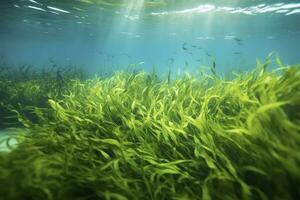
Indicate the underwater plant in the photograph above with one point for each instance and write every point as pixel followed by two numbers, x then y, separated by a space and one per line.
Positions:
pixel 135 136
pixel 24 86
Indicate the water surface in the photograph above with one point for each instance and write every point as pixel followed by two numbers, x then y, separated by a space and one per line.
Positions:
pixel 104 36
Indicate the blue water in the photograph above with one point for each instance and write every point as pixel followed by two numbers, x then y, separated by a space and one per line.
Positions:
pixel 105 36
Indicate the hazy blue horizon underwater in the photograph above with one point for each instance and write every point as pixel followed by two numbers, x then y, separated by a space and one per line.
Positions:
pixel 105 36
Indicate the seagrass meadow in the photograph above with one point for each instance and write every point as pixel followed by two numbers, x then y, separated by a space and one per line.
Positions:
pixel 140 136
pixel 24 86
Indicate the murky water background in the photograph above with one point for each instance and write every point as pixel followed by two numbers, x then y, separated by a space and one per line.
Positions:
pixel 104 36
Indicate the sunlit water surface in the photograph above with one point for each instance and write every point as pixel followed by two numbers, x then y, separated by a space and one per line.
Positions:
pixel 105 36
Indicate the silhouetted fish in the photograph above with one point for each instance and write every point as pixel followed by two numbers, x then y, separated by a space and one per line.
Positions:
pixel 190 53
pixel 171 60
pixel 238 39
pixel 208 54
pixel 196 47
pixel 213 69
pixel 184 46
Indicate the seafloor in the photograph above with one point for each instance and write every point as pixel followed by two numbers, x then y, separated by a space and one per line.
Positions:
pixel 140 136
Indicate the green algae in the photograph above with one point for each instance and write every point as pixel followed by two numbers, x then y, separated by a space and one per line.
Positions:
pixel 24 86
pixel 135 136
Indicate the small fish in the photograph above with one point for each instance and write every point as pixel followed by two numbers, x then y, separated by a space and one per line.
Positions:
pixel 237 53
pixel 171 60
pixel 238 39
pixel 213 69
pixel 184 46
pixel 186 63
pixel 208 54
pixel 196 47
pixel 190 53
